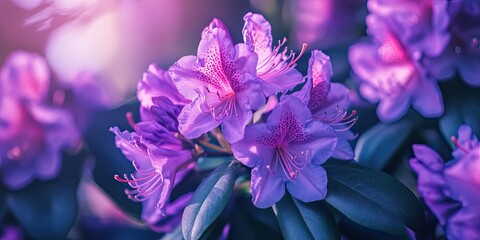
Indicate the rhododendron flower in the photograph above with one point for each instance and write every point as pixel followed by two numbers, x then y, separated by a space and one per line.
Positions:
pixel 392 75
pixel 287 151
pixel 221 82
pixel 161 160
pixel 160 163
pixel 422 25
pixel 328 102
pixel 451 190
pixel 33 134
pixel 157 83
pixel 275 67
pixel 463 52
pixel 25 75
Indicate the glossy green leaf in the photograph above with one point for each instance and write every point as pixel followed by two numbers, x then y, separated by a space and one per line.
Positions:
pixel 209 163
pixel 209 200
pixel 299 220
pixel 378 144
pixel 372 198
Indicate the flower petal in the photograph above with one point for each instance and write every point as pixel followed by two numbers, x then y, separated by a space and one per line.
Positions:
pixel 248 151
pixel 193 122
pixel 310 184
pixel 266 188
pixel 257 34
pixel 428 99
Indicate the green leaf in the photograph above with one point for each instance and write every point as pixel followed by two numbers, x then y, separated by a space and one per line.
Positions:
pixel 208 201
pixel 372 198
pixel 299 220
pixel 378 144
pixel 458 112
pixel 209 163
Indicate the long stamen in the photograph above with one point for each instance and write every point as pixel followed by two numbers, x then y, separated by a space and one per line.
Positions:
pixel 339 119
pixel 290 163
pixel 224 108
pixel 458 145
pixel 142 171
pixel 130 120
pixel 279 63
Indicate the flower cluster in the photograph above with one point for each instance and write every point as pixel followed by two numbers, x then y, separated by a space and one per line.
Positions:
pixel 451 190
pixel 390 64
pixel 34 133
pixel 204 105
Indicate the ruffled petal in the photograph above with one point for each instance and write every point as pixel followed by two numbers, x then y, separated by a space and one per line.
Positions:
pixel 184 77
pixel 193 122
pixel 257 34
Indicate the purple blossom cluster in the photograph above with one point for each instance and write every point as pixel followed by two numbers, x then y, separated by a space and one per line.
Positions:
pixel 35 131
pixel 451 190
pixel 411 46
pixel 215 103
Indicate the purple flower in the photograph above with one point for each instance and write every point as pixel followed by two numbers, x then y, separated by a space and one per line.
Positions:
pixel 25 75
pixel 287 151
pixel 328 102
pixel 160 162
pixel 221 82
pixel 274 67
pixel 451 190
pixel 33 134
pixel 391 74
pixel 421 25
pixel 463 51
pixel 157 83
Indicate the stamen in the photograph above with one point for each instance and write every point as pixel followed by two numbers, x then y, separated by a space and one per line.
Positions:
pixel 130 120
pixel 141 171
pixel 225 106
pixel 458 145
pixel 339 119
pixel 279 63
pixel 291 164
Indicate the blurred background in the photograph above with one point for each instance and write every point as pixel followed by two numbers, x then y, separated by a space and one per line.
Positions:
pixel 98 50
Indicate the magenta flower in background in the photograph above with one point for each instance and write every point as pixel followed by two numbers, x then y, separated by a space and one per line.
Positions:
pixel 451 190
pixel 287 151
pixel 391 74
pixel 275 67
pixel 328 102
pixel 33 133
pixel 463 51
pixel 221 82
pixel 25 76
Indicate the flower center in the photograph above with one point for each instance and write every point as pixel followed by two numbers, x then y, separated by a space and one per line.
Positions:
pixel 290 162
pixel 220 107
